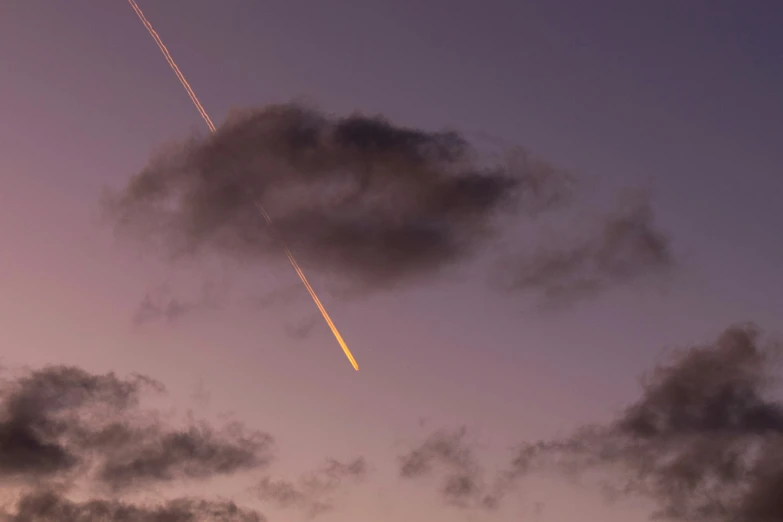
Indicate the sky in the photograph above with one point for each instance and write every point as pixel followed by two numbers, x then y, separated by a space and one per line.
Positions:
pixel 679 98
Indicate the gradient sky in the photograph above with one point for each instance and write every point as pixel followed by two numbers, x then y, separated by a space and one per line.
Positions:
pixel 680 97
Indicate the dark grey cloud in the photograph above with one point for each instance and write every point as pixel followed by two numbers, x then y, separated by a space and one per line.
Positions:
pixel 63 429
pixel 626 248
pixel 38 412
pixel 312 493
pixel 370 205
pixel 450 455
pixel 704 441
pixel 355 197
pixel 48 506
pixel 141 457
pixel 61 423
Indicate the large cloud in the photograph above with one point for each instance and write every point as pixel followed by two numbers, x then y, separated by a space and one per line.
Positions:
pixel 704 441
pixel 86 447
pixel 61 422
pixel 63 429
pixel 370 204
pixel 356 197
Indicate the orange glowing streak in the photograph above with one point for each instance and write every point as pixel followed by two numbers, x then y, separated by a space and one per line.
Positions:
pixel 258 205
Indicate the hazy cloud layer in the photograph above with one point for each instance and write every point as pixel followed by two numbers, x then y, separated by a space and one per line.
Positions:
pixel 704 440
pixel 356 197
pixel 312 493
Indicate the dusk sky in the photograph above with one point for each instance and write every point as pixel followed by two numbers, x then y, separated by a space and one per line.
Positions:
pixel 679 98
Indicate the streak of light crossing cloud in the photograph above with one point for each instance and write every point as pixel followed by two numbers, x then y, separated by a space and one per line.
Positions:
pixel 258 205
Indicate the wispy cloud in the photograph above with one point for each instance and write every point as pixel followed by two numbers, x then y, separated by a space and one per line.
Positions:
pixel 313 492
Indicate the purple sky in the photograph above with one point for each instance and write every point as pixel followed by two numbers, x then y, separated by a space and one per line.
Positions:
pixel 680 97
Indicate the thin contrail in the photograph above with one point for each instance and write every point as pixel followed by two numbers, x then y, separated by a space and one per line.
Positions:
pixel 258 205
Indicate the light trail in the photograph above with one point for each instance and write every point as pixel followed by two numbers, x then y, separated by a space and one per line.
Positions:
pixel 258 205
pixel 173 65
